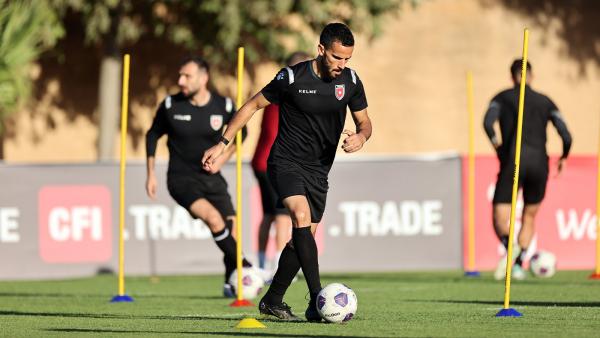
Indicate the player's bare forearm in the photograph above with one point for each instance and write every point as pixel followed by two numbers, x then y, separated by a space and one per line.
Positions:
pixel 363 123
pixel 227 153
pixel 150 161
pixel 365 129
pixel 150 178
pixel 356 140
pixel 243 115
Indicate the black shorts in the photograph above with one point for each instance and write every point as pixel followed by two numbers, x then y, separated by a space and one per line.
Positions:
pixel 533 176
pixel 290 180
pixel 268 195
pixel 188 188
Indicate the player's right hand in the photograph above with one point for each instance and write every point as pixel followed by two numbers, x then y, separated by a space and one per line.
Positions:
pixel 151 186
pixel 211 155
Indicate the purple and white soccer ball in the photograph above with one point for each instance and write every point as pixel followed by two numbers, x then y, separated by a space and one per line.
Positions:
pixel 337 303
pixel 252 282
pixel 543 264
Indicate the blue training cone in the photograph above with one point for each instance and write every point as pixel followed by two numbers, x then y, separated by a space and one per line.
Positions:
pixel 121 299
pixel 510 312
pixel 472 274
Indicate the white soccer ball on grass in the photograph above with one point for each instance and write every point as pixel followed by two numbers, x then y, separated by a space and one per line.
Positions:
pixel 543 264
pixel 337 303
pixel 252 283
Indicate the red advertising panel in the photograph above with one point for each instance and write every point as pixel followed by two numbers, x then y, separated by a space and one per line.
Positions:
pixel 565 224
pixel 75 224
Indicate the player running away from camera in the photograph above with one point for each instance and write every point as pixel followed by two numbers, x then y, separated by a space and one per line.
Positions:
pixel 272 214
pixel 533 175
pixel 313 97
pixel 194 119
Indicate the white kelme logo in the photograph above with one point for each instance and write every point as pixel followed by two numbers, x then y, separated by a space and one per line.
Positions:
pixel 182 117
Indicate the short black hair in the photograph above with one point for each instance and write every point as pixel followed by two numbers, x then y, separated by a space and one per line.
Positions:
pixel 199 61
pixel 516 67
pixel 336 31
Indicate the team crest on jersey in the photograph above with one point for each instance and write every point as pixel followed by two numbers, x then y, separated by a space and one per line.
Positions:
pixel 340 90
pixel 216 121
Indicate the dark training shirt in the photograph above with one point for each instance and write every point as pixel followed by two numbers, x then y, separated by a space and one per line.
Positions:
pixel 191 130
pixel 537 112
pixel 312 113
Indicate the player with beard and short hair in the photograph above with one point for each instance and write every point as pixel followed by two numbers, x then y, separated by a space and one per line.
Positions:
pixel 278 216
pixel 313 97
pixel 194 120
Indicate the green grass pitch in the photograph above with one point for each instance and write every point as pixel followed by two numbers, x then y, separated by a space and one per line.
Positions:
pixel 407 304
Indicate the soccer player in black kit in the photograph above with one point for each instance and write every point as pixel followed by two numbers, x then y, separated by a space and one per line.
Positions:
pixel 313 97
pixel 194 119
pixel 533 176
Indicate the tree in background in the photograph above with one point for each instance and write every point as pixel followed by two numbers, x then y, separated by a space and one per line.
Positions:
pixel 267 29
pixel 573 22
pixel 27 28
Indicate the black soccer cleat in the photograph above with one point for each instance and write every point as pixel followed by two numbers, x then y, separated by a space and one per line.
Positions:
pixel 281 311
pixel 311 313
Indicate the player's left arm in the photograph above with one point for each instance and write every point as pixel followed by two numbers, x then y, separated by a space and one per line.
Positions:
pixel 221 160
pixel 356 139
pixel 563 132
pixel 561 127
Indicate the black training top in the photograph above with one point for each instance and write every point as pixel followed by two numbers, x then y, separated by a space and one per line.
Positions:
pixel 312 113
pixel 538 111
pixel 191 129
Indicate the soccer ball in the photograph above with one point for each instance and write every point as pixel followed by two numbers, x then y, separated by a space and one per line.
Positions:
pixel 337 303
pixel 252 283
pixel 543 264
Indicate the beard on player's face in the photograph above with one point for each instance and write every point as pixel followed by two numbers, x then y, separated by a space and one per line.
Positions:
pixel 189 94
pixel 190 88
pixel 329 70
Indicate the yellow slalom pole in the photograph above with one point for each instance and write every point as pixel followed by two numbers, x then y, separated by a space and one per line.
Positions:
pixel 596 274
pixel 122 297
pixel 248 322
pixel 517 168
pixel 238 163
pixel 471 181
pixel 240 301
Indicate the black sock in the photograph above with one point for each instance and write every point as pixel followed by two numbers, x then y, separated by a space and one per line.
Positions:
pixel 306 248
pixel 230 266
pixel 245 262
pixel 288 267
pixel 519 260
pixel 227 244
pixel 504 240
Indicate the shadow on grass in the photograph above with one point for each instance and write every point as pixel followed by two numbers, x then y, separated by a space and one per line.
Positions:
pixel 518 303
pixel 124 316
pixel 108 297
pixel 410 277
pixel 260 333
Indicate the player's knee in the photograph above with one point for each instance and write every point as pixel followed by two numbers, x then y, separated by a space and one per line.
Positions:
pixel 215 222
pixel 300 217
